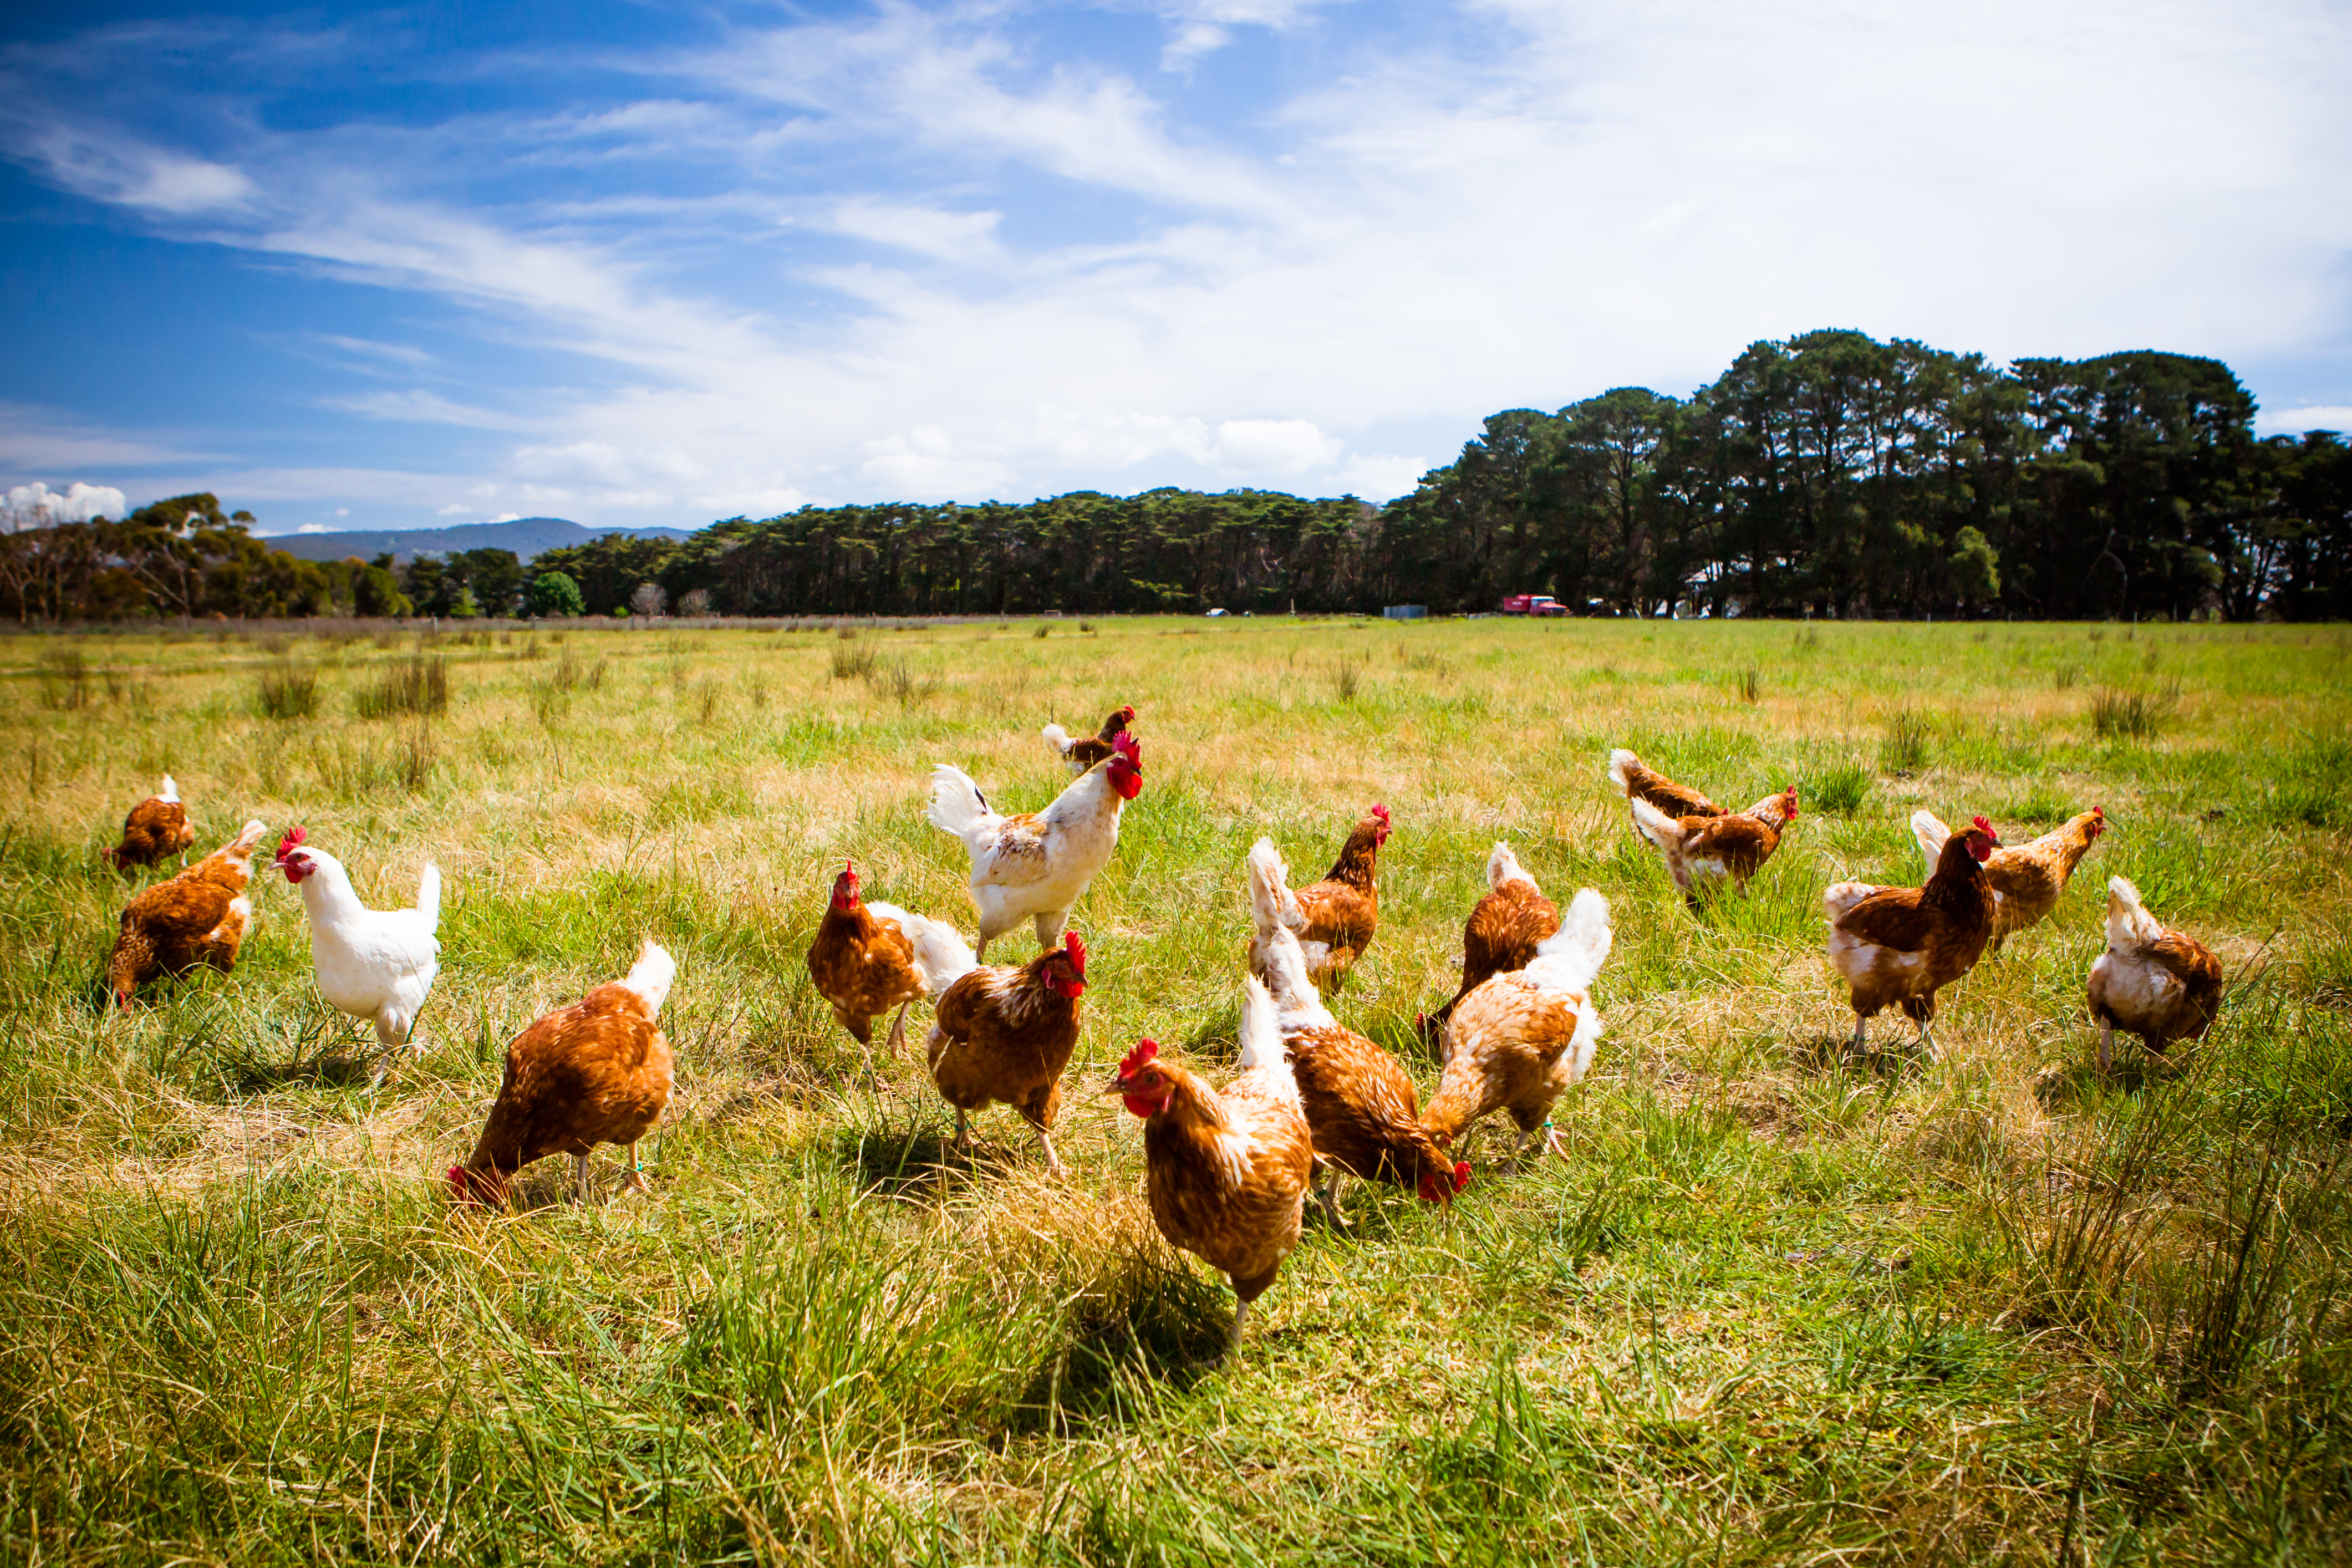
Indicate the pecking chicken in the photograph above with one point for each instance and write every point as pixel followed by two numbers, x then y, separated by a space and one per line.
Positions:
pixel 1334 919
pixel 1702 852
pixel 197 917
pixel 1360 1104
pixel 1899 946
pixel 2157 983
pixel 2027 879
pixel 1225 1170
pixel 1084 751
pixel 1005 1034
pixel 595 1072
pixel 869 958
pixel 1036 865
pixel 156 826
pixel 1626 772
pixel 377 965
pixel 1520 1039
pixel 1503 930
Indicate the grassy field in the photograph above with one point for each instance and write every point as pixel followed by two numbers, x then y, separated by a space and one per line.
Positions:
pixel 1786 1305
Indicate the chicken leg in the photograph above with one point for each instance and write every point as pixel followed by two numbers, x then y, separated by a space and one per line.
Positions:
pixel 2106 1046
pixel 579 1177
pixel 897 1045
pixel 1861 1032
pixel 1053 1161
pixel 636 1173
pixel 963 1133
pixel 1241 1316
pixel 1327 1195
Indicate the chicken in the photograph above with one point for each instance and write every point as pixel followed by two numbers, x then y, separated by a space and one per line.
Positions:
pixel 1361 1107
pixel 595 1072
pixel 1900 945
pixel 197 917
pixel 1702 852
pixel 869 958
pixel 1626 772
pixel 1522 1037
pixel 1005 1034
pixel 2157 983
pixel 2027 879
pixel 1082 753
pixel 156 826
pixel 1334 919
pixel 1035 866
pixel 377 965
pixel 1225 1170
pixel 1502 931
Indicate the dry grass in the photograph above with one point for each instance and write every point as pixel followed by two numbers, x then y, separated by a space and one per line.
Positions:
pixel 1784 1305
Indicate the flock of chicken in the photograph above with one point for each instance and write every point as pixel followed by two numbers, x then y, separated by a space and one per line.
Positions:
pixel 1227 1170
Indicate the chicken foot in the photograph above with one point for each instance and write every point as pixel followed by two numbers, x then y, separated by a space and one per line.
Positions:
pixel 1327 1195
pixel 579 1178
pixel 2106 1046
pixel 897 1044
pixel 1053 1161
pixel 636 1180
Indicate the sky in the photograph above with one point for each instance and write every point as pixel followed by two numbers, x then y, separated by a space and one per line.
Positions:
pixel 650 263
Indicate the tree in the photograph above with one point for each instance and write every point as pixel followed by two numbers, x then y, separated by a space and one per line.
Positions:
pixel 555 593
pixel 649 600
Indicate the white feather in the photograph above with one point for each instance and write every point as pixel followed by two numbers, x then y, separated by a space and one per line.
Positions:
pixel 1928 830
pixel 169 792
pixel 941 952
pixel 651 975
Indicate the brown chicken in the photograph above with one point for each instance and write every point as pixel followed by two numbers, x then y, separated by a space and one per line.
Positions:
pixel 2027 879
pixel 197 917
pixel 1084 751
pixel 1899 946
pixel 1523 1037
pixel 156 826
pixel 1360 1104
pixel 869 958
pixel 1225 1171
pixel 595 1072
pixel 1502 931
pixel 1626 772
pixel 1005 1034
pixel 1704 852
pixel 1334 919
pixel 2157 983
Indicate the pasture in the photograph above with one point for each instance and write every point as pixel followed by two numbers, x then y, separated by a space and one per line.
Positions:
pixel 1786 1304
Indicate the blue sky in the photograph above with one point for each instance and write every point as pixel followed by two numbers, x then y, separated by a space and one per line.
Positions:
pixel 652 263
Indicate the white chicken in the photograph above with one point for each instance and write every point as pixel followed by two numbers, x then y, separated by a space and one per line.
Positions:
pixel 1037 865
pixel 375 965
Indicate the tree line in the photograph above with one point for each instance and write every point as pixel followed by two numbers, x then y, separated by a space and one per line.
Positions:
pixel 1831 474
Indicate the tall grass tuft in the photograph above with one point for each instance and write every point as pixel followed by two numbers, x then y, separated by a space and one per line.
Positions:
pixel 1839 791
pixel 285 690
pixel 1751 686
pixel 1903 747
pixel 1348 680
pixel 418 684
pixel 2129 715
pixel 854 660
pixel 64 679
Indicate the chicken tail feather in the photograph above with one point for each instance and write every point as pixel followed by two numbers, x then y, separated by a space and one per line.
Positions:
pixel 941 952
pixel 1928 829
pixel 1057 737
pixel 1622 764
pixel 651 975
pixel 957 805
pixel 428 896
pixel 1655 825
pixel 1297 1002
pixel 1503 867
pixel 1582 944
pixel 1262 1052
pixel 1271 900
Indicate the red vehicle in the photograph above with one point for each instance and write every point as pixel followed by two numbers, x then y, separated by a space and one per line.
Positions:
pixel 1533 605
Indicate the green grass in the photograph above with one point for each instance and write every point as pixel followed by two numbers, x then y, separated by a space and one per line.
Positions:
pixel 1784 1304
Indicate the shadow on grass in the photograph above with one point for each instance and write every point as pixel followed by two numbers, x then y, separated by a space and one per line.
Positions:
pixel 914 1163
pixel 1142 1328
pixel 1836 1053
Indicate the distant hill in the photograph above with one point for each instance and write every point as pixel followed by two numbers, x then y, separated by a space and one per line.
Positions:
pixel 526 536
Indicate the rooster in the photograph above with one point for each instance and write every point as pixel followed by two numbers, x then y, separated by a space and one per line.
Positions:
pixel 1360 1103
pixel 1082 753
pixel 1225 1170
pixel 1638 782
pixel 1900 945
pixel 2157 983
pixel 1334 919
pixel 200 916
pixel 1005 1034
pixel 595 1072
pixel 2027 879
pixel 156 826
pixel 1702 852
pixel 868 958
pixel 1035 866
pixel 1521 1038
pixel 377 965
pixel 1502 931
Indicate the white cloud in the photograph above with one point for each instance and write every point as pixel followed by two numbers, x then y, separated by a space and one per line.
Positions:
pixel 314 528
pixel 150 179
pixel 949 236
pixel 508 517
pixel 420 407
pixel 2295 421
pixel 37 506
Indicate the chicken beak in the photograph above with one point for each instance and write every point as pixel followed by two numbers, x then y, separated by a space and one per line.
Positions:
pixel 1115 1086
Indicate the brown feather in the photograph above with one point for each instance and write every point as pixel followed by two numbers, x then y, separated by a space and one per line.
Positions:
pixel 1676 800
pixel 1362 1108
pixel 1504 1052
pixel 1240 1216
pixel 1004 1035
pixel 200 916
pixel 1946 923
pixel 863 967
pixel 1501 935
pixel 155 829
pixel 595 1072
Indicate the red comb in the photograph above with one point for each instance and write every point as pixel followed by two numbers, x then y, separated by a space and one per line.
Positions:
pixel 1985 827
pixel 1076 946
pixel 1461 1174
pixel 1380 811
pixel 294 835
pixel 2098 811
pixel 1144 1051
pixel 1125 744
pixel 1128 711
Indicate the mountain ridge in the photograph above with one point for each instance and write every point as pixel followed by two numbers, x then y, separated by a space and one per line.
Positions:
pixel 526 536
